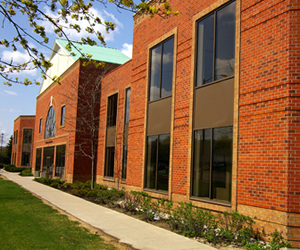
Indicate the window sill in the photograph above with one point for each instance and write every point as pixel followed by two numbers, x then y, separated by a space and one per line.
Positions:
pixel 214 82
pixel 110 179
pixel 214 202
pixel 159 99
pixel 153 191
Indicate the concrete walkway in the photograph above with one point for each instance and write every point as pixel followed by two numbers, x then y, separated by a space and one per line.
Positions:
pixel 136 233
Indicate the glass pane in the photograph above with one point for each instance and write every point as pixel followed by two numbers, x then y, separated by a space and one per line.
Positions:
pixel 167 68
pixel 109 161
pixel 225 42
pixel 62 121
pixel 112 110
pixel 38 159
pixel 205 51
pixel 124 165
pixel 201 173
pixel 48 158
pixel 25 159
pixel 50 124
pixel 151 162
pixel 41 122
pixel 222 164
pixel 60 160
pixel 155 73
pixel 163 162
pixel 127 105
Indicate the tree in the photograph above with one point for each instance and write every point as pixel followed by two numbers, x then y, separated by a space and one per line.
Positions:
pixel 63 13
pixel 86 103
pixel 8 149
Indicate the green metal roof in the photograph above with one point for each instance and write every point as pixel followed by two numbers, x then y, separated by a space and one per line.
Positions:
pixel 99 53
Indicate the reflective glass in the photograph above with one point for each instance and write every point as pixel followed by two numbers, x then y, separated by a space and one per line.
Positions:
pixel 109 161
pixel 167 68
pixel 163 162
pixel 124 165
pixel 205 53
pixel 38 159
pixel 127 105
pixel 201 173
pixel 155 70
pixel 50 123
pixel 151 162
pixel 225 42
pixel 222 163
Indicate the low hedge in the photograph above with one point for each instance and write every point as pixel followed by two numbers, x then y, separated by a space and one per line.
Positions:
pixel 13 168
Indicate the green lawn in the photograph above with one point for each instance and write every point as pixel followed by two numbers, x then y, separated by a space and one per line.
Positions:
pixel 27 223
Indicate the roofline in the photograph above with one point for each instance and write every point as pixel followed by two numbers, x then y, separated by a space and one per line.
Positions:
pixel 117 68
pixel 24 116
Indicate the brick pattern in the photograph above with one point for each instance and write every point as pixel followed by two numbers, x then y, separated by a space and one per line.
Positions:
pixel 21 123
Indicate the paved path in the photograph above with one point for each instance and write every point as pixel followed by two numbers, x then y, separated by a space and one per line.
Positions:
pixel 136 233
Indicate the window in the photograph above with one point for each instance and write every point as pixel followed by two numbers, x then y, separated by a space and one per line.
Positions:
pixel 161 70
pixel 112 110
pixel 48 158
pixel 60 160
pixel 212 163
pixel 25 159
pixel 26 147
pixel 27 136
pixel 157 166
pixel 62 116
pixel 127 104
pixel 216 45
pixel 50 123
pixel 109 162
pixel 125 134
pixel 16 137
pixel 41 125
pixel 38 159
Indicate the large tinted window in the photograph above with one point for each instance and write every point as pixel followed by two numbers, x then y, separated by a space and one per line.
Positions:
pixel 216 45
pixel 212 163
pixel 109 162
pixel 50 123
pixel 157 166
pixel 161 70
pixel 38 159
pixel 112 110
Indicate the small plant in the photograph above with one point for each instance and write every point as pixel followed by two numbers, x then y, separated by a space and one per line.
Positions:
pixel 26 172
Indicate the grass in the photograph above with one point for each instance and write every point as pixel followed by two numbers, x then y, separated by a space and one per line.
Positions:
pixel 27 223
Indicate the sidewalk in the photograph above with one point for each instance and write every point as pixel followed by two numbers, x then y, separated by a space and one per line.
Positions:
pixel 136 233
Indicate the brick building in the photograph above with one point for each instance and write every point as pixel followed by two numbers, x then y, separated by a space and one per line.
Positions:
pixel 22 143
pixel 214 110
pixel 207 111
pixel 64 111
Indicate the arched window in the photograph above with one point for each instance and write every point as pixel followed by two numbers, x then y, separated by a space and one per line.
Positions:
pixel 50 124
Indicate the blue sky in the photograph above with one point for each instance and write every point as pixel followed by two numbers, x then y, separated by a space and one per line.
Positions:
pixel 21 100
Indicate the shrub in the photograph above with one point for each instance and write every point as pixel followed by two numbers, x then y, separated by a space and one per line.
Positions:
pixel 1 165
pixel 13 168
pixel 26 172
pixel 49 181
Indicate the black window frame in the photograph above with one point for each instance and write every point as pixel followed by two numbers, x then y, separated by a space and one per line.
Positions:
pixel 112 110
pixel 211 148
pixel 109 166
pixel 62 115
pixel 50 126
pixel 214 12
pixel 165 168
pixel 126 122
pixel 41 126
pixel 161 67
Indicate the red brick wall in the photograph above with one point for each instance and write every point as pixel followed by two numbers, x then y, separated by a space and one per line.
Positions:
pixel 22 122
pixel 115 82
pixel 269 106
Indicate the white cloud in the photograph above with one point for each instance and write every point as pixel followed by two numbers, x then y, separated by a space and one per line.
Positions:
pixel 10 92
pixel 18 57
pixel 15 56
pixel 74 35
pixel 127 49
